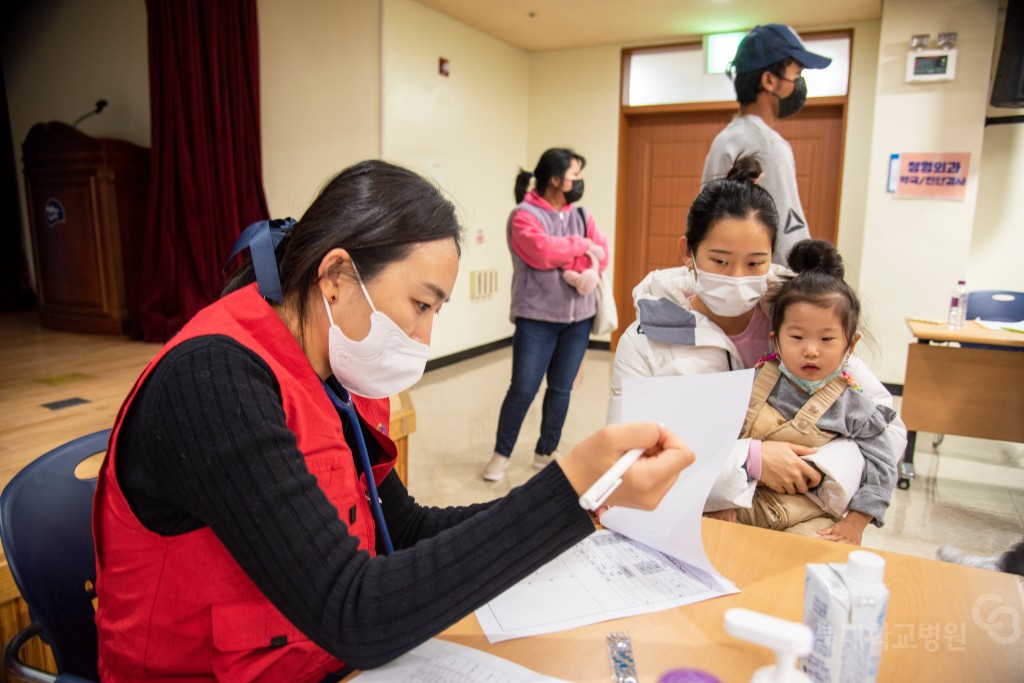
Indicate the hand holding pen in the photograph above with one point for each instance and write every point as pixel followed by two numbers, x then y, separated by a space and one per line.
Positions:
pixel 601 473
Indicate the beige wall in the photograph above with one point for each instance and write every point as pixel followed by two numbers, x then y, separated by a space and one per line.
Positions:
pixel 468 132
pixel 915 250
pixel 857 148
pixel 319 94
pixel 574 102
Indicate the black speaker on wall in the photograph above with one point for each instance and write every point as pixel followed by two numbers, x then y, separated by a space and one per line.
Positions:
pixel 1008 86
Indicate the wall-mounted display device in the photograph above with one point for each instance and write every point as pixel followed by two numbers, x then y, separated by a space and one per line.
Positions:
pixel 924 66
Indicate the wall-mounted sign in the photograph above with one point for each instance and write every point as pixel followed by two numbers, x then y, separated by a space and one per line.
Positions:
pixel 53 212
pixel 933 175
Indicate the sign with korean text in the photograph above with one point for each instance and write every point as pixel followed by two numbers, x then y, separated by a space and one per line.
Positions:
pixel 933 175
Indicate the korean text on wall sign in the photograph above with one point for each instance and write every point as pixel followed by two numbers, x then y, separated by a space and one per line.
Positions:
pixel 933 175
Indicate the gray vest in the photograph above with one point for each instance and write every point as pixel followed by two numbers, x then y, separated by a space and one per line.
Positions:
pixel 543 294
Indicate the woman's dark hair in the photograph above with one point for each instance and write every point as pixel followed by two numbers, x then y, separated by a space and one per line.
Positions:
pixel 553 163
pixel 736 196
pixel 749 84
pixel 818 281
pixel 374 210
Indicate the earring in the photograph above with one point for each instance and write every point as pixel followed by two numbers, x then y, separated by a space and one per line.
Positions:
pixel 334 297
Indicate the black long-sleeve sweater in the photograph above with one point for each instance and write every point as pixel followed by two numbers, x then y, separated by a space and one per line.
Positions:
pixel 205 443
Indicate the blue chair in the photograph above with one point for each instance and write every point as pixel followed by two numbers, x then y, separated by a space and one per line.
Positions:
pixel 46 531
pixel 995 304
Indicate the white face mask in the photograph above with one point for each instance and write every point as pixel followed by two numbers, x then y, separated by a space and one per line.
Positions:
pixel 730 296
pixel 385 363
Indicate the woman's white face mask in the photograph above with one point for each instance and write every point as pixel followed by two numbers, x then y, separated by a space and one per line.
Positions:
pixel 385 363
pixel 729 296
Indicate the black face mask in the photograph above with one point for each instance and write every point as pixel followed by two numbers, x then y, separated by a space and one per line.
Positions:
pixel 575 194
pixel 795 102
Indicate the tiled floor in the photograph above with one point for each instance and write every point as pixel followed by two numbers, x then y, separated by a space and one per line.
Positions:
pixel 970 494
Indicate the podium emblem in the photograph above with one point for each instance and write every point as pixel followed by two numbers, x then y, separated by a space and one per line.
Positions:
pixel 53 212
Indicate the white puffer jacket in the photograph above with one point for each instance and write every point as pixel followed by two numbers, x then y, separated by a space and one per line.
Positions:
pixel 670 338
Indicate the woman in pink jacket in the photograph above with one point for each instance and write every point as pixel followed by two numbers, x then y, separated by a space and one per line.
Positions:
pixel 557 256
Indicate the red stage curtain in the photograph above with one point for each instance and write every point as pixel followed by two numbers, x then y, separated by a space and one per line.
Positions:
pixel 206 180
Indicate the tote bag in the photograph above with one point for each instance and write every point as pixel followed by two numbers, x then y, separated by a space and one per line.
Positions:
pixel 606 320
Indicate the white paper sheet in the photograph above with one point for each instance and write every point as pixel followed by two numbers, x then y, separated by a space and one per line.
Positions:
pixel 707 412
pixel 438 661
pixel 605 576
pixel 1001 325
pixel 656 560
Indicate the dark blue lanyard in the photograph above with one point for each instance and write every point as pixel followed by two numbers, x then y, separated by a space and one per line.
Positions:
pixel 344 407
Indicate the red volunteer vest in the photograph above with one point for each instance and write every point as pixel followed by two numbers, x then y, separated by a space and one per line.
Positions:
pixel 179 608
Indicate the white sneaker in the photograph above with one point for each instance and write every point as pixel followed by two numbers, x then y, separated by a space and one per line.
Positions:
pixel 495 468
pixel 949 553
pixel 542 461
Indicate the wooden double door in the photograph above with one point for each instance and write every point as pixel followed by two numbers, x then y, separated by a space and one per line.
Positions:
pixel 663 161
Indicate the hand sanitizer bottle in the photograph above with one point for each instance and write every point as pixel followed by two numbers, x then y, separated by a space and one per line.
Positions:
pixel 788 638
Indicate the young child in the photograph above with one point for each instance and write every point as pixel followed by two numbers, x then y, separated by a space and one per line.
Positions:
pixel 803 395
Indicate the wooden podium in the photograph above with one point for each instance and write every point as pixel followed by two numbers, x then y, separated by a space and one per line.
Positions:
pixel 87 210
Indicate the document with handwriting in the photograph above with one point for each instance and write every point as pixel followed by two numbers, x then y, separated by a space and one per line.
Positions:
pixel 644 561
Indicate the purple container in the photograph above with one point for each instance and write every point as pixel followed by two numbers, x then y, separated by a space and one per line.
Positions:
pixel 688 676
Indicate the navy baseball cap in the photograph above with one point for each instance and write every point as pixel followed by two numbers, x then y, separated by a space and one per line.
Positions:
pixel 770 44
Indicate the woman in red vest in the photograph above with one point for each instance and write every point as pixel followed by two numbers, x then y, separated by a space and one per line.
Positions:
pixel 235 535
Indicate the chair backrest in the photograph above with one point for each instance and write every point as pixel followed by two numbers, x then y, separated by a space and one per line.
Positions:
pixel 996 305
pixel 46 530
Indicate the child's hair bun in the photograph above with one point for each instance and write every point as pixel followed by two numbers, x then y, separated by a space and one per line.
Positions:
pixel 818 255
pixel 746 168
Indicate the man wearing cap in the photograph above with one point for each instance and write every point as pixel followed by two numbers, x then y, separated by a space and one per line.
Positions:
pixel 769 87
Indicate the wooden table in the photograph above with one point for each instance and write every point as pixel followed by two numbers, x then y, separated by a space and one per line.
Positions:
pixel 935 629
pixel 966 391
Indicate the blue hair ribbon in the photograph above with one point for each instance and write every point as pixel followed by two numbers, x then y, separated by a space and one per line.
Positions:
pixel 262 238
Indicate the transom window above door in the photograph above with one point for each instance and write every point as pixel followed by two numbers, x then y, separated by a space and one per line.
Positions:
pixel 675 74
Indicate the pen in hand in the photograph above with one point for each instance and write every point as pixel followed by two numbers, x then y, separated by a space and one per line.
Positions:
pixel 598 493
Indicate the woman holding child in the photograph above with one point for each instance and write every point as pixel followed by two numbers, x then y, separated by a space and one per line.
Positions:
pixel 710 315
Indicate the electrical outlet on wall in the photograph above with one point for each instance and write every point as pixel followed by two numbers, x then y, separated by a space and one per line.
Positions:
pixel 483 283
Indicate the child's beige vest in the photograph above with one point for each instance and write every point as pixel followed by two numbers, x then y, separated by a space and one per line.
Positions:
pixel 772 510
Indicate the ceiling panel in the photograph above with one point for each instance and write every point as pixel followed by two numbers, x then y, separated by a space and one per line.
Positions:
pixel 556 24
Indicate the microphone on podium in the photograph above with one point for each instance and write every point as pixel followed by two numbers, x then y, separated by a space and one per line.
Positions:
pixel 100 106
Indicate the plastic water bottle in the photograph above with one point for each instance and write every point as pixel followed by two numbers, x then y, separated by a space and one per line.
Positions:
pixel 958 305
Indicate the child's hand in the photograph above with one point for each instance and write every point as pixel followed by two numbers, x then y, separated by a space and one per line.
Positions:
pixel 848 530
pixel 724 515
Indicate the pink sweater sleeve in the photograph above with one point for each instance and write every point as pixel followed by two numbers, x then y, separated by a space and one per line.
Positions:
pixel 540 250
pixel 582 262
pixel 754 460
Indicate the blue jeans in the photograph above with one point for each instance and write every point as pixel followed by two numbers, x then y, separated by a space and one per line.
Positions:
pixel 540 347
